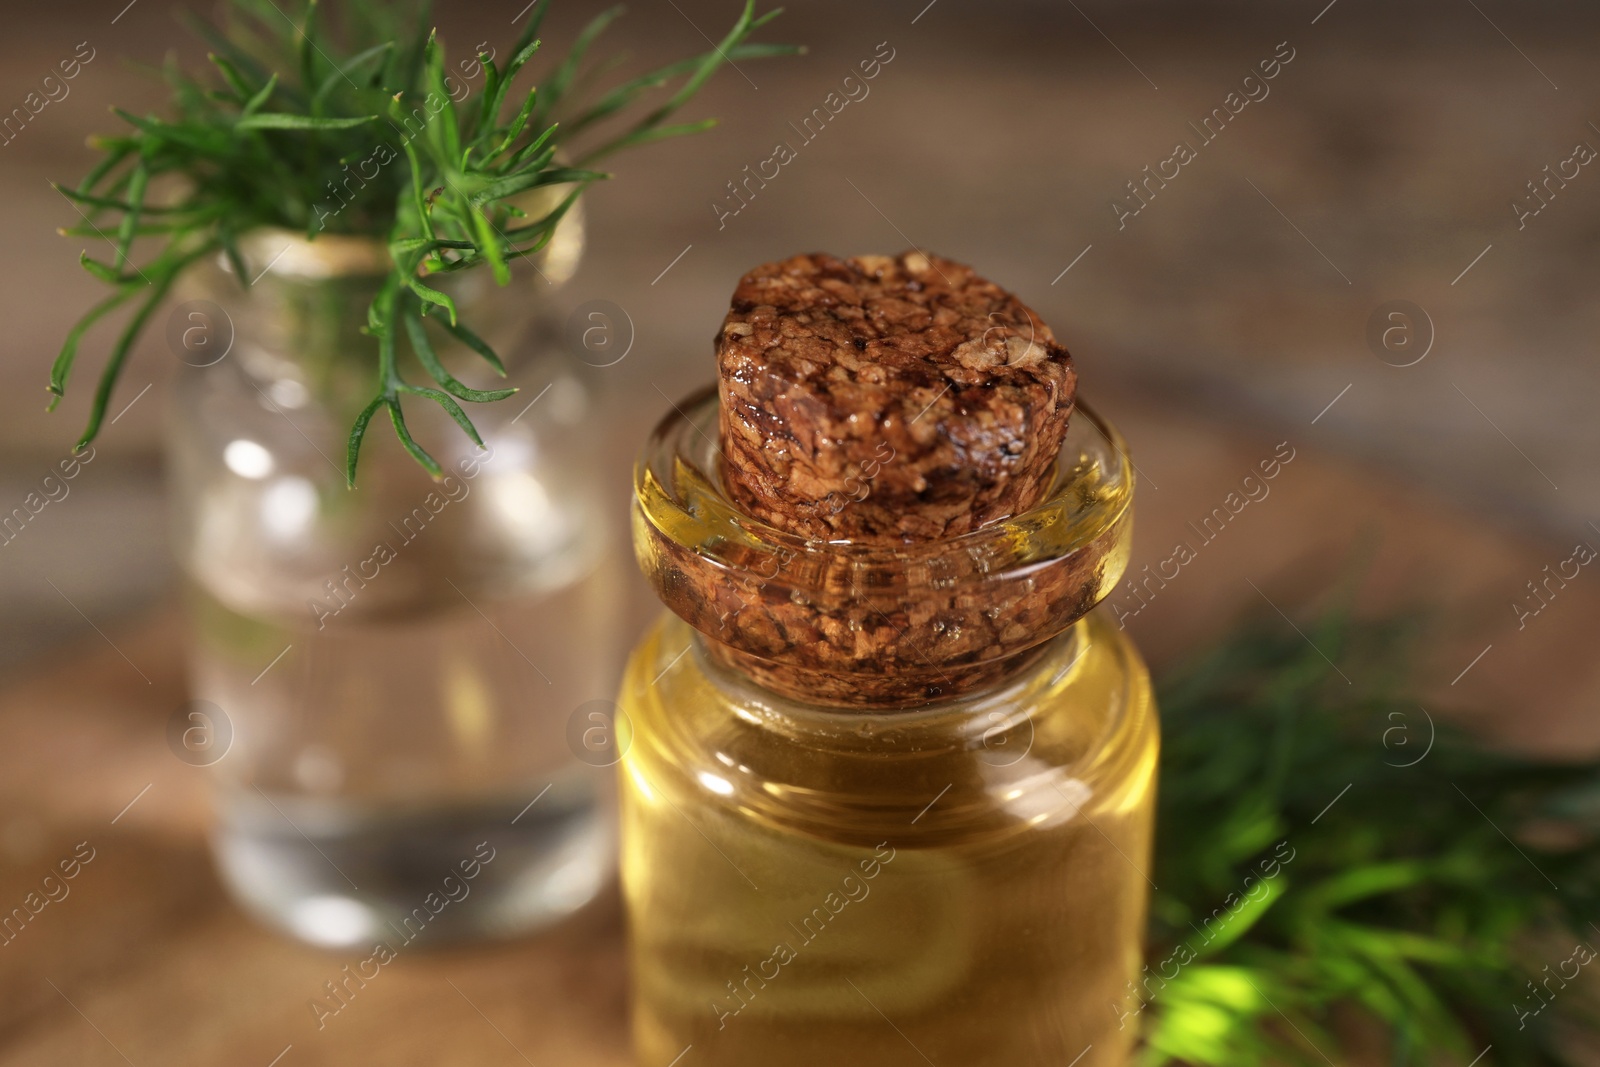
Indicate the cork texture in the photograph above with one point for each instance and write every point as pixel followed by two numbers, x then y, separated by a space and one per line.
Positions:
pixel 882 399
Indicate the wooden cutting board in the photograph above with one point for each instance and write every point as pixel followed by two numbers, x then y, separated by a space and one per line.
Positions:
pixel 146 962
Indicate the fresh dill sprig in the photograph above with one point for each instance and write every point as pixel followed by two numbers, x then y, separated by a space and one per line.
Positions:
pixel 296 97
pixel 1327 852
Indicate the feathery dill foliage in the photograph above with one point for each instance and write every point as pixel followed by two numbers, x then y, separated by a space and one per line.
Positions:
pixel 1402 903
pixel 297 95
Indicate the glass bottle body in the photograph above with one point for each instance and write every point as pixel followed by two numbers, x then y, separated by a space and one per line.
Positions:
pixel 388 671
pixel 961 883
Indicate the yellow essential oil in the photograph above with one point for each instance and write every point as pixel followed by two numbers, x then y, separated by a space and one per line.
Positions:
pixel 960 882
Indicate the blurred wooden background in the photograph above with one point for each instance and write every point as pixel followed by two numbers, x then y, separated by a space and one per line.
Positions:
pixel 1230 314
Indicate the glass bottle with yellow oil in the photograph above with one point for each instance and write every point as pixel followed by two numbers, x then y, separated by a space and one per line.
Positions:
pixel 886 801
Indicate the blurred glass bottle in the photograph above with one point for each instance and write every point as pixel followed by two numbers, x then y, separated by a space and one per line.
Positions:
pixel 388 672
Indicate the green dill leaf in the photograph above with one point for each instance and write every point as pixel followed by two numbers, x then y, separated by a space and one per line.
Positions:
pixel 341 75
pixel 137 185
pixel 477 344
pixel 230 249
pixel 536 154
pixel 62 369
pixel 259 100
pixel 358 432
pixel 117 150
pixel 545 228
pixel 527 40
pixel 532 179
pixel 444 133
pixel 418 453
pixel 230 74
pixel 273 120
pixel 308 45
pixel 451 408
pixel 435 297
pixel 1403 902
pixel 109 204
pixel 659 133
pixel 119 352
pixel 277 132
pixel 516 126
pixel 553 90
pixel 201 139
pixel 489 242
pixel 104 272
pixel 429 359
pixel 492 95
pixel 519 59
pixel 237 57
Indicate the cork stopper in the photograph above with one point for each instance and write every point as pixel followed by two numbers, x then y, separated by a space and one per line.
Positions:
pixel 886 400
pixel 882 503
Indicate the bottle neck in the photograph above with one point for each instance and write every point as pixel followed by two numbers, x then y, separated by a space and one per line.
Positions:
pixel 870 626
pixel 906 687
pixel 827 696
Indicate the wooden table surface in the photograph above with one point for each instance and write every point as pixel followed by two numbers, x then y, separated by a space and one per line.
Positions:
pixel 146 962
